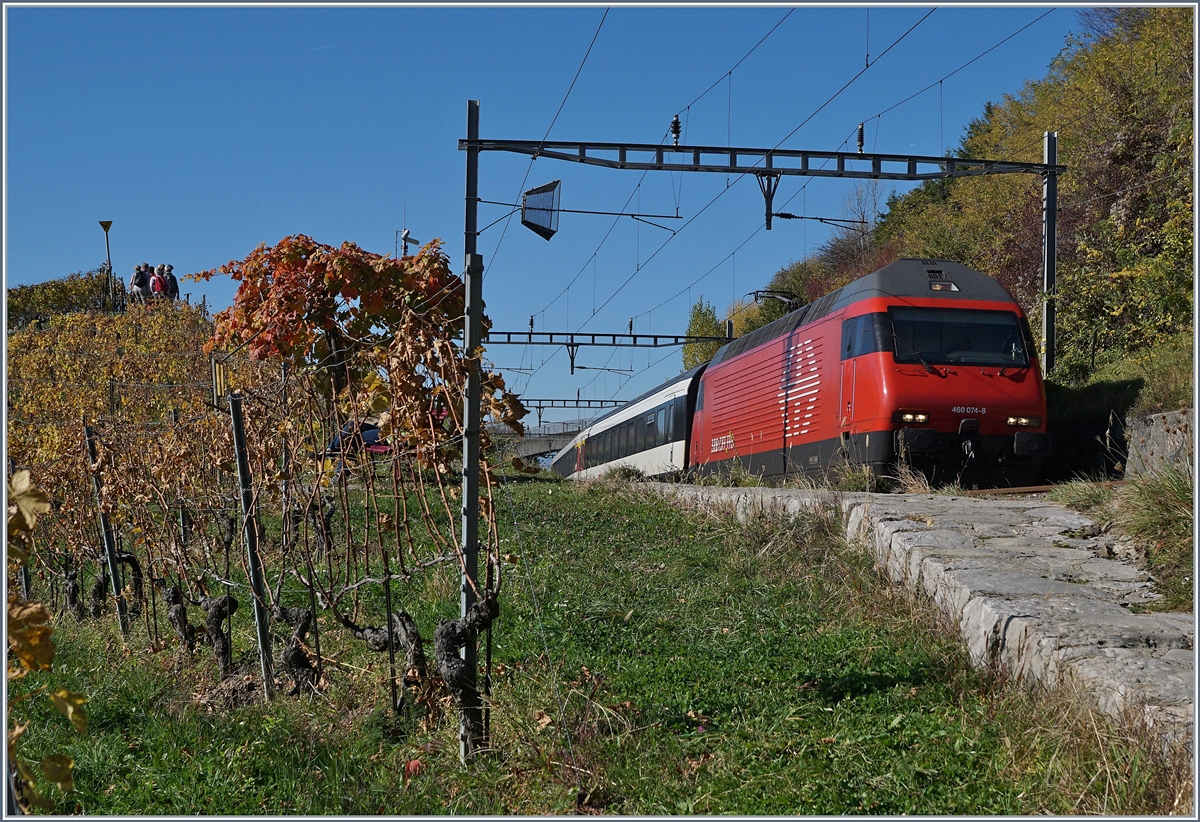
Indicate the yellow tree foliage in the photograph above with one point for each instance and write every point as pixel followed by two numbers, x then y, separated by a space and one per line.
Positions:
pixel 1120 100
pixel 702 322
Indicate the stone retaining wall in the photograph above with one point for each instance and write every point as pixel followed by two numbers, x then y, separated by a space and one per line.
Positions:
pixel 1027 583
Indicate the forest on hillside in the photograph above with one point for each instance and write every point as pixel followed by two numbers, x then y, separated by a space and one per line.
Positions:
pixel 1120 97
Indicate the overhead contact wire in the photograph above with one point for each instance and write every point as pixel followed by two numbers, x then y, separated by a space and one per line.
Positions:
pixel 578 71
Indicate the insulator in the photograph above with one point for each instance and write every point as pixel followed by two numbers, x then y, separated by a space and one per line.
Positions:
pixel 860 138
pixel 676 128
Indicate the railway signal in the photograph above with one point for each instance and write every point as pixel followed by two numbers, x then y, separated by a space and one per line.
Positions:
pixel 539 209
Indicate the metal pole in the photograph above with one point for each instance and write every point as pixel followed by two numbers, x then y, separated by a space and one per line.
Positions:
pixel 109 290
pixel 108 280
pixel 110 543
pixel 471 720
pixel 250 531
pixel 1049 240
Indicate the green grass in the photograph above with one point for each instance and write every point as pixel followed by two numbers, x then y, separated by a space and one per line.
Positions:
pixel 1166 372
pixel 1149 381
pixel 646 661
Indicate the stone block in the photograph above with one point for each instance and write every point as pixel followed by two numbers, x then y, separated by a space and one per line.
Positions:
pixel 1156 440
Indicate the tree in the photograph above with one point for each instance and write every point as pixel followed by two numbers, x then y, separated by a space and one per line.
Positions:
pixel 1121 99
pixel 702 322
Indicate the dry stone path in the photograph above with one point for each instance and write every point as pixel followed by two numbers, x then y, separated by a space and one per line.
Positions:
pixel 1037 591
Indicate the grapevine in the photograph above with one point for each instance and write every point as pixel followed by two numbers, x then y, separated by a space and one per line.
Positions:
pixel 319 340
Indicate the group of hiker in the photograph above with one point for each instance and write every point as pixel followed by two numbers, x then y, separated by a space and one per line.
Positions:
pixel 153 282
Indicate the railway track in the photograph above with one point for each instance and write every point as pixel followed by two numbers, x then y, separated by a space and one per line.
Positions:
pixel 1028 489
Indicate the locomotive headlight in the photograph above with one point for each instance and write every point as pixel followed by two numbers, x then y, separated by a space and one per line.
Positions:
pixel 910 416
pixel 1024 422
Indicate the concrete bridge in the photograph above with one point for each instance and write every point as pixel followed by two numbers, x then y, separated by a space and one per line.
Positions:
pixel 550 438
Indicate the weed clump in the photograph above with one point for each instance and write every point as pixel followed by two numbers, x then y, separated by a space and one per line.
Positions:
pixel 1156 510
pixel 737 475
pixel 1084 495
pixel 623 473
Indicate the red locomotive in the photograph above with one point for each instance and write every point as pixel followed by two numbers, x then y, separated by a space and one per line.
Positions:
pixel 922 361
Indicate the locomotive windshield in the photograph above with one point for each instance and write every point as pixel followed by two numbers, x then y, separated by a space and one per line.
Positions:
pixel 954 335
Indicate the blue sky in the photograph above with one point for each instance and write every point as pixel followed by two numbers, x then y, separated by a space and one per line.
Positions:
pixel 202 132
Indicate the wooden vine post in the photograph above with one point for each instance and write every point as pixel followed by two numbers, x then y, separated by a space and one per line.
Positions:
pixel 110 545
pixel 262 619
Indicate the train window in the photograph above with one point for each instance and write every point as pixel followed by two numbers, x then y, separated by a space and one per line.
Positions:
pixel 958 335
pixel 875 333
pixel 849 327
pixel 660 427
pixel 1027 335
pixel 865 334
pixel 680 420
pixel 671 421
pixel 700 397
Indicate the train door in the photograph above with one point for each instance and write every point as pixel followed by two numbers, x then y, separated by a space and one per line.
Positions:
pixel 849 369
pixel 800 395
pixel 861 335
pixel 848 405
pixel 698 453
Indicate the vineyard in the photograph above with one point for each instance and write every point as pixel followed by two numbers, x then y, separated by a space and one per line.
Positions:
pixel 187 514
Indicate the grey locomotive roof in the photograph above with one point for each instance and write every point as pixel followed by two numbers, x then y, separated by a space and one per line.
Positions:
pixel 911 278
pixel 903 278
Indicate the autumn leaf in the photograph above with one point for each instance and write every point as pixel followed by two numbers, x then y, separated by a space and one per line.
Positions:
pixel 70 704
pixel 57 769
pixel 29 790
pixel 33 646
pixel 25 502
pixel 27 613
pixel 520 465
